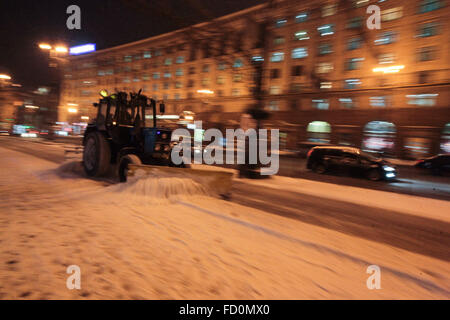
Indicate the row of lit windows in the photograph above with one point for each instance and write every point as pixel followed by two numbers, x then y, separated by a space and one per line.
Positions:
pixel 417 100
pixel 386 15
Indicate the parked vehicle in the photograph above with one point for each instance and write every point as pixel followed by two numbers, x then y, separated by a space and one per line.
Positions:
pixel 438 165
pixel 351 160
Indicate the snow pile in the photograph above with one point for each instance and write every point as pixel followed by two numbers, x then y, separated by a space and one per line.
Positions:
pixel 70 168
pixel 145 188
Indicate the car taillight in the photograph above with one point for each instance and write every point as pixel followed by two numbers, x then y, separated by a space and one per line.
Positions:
pixel 309 153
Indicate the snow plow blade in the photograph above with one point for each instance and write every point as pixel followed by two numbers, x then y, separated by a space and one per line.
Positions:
pixel 215 182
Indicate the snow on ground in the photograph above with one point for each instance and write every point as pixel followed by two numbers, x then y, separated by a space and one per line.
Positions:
pixel 132 242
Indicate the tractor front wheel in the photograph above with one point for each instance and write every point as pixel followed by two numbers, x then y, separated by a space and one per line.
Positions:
pixel 123 165
pixel 96 155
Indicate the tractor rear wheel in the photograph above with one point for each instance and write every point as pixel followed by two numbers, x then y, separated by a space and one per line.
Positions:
pixel 96 155
pixel 123 165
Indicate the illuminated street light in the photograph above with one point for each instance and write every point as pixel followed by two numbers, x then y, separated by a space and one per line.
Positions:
pixel 61 49
pixel 45 46
pixel 73 104
pixel 84 117
pixel 5 77
pixel 391 69
pixel 72 110
pixel 31 107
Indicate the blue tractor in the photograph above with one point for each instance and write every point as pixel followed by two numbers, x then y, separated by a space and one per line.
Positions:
pixel 122 135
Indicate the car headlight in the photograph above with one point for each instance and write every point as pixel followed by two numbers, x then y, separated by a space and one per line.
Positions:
pixel 390 175
pixel 388 168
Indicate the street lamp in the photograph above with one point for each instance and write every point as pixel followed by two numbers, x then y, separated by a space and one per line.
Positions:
pixel 45 46
pixel 5 77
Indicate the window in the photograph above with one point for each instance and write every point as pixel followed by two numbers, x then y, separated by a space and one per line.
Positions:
pixel 145 77
pixel 329 10
pixel 156 75
pixel 177 96
pixel 380 101
pixel 352 83
pixel 319 131
pixel 325 48
pixel 324 67
pixel 273 105
pixel 238 63
pixel 321 104
pixel 235 92
pixel 386 58
pixel 326 85
pixel 391 14
pixel 299 53
pixel 179 72
pixel 326 29
pixel 430 5
pixel 347 103
pixel 354 23
pixel 205 82
pixel 147 55
pixel 167 74
pixel 180 59
pixel 168 61
pixel 166 85
pixel 205 68
pixel 220 79
pixel 274 90
pixel 354 43
pixel 127 58
pixel 422 100
pixel 274 73
pixel 280 23
pixel 190 83
pixel 301 35
pixel 237 77
pixel 277 57
pixel 386 38
pixel 360 3
pixel 178 85
pixel 278 40
pixel 353 63
pixel 301 17
pixel 191 70
pixel 155 87
pixel 158 52
pixel 427 30
pixel 297 71
pixel 426 54
pixel 221 65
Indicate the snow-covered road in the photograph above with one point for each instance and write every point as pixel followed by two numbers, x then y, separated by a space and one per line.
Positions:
pixel 132 243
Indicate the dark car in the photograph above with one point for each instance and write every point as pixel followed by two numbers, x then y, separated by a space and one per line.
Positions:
pixel 438 165
pixel 350 160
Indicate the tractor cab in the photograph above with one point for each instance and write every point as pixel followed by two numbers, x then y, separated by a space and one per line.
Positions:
pixel 126 124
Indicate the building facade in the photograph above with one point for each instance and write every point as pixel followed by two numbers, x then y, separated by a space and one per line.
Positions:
pixel 327 77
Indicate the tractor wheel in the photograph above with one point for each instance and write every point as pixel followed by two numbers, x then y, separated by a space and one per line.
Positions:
pixel 123 165
pixel 96 155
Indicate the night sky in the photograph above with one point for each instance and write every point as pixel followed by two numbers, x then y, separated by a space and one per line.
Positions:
pixel 25 23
